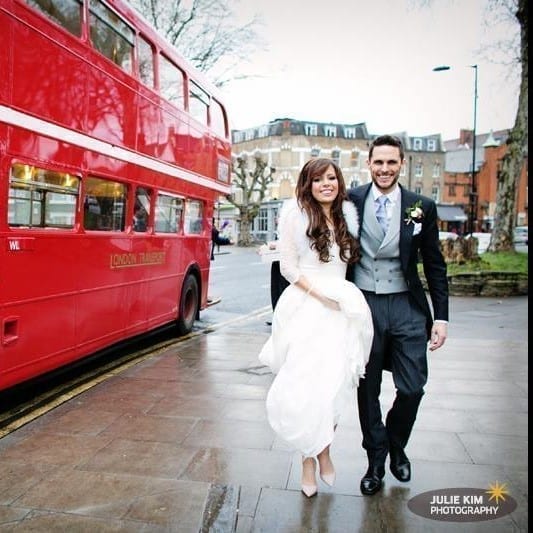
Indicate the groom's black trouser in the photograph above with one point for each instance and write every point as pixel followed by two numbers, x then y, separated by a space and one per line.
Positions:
pixel 400 340
pixel 277 283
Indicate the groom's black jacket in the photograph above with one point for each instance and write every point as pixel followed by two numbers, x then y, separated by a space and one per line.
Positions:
pixel 424 245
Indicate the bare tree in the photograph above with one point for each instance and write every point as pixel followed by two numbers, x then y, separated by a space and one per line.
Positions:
pixel 517 152
pixel 251 176
pixel 205 32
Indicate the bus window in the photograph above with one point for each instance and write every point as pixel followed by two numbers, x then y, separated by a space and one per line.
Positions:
pixel 66 13
pixel 41 198
pixel 168 210
pixel 192 225
pixel 111 35
pixel 104 205
pixel 198 103
pixel 146 62
pixel 218 119
pixel 141 210
pixel 171 82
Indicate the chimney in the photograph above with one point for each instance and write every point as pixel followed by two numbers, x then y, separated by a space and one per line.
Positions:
pixel 465 137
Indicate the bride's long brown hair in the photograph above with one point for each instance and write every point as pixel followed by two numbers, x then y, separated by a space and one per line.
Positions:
pixel 318 231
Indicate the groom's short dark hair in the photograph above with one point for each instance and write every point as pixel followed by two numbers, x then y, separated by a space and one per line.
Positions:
pixel 387 140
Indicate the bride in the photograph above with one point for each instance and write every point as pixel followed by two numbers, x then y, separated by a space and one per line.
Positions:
pixel 322 328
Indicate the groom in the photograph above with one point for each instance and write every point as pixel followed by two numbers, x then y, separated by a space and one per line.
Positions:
pixel 398 227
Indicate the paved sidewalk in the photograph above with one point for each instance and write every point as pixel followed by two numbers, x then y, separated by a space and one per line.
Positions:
pixel 180 443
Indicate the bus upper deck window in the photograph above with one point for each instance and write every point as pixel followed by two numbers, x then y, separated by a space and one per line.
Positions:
pixel 66 13
pixel 146 62
pixel 111 36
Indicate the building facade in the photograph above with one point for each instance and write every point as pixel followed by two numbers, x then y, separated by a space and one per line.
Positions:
pixel 287 144
pixel 491 148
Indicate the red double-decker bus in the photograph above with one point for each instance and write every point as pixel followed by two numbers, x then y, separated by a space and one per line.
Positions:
pixel 113 150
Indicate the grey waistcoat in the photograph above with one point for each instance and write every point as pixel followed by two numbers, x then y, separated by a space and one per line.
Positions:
pixel 379 269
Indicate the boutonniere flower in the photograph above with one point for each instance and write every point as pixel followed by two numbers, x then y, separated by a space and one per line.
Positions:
pixel 414 213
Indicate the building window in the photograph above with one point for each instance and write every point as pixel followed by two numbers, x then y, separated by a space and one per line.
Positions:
pixel 451 190
pixel 349 133
pixel 249 134
pixel 355 158
pixel 435 193
pixel 419 170
pixel 237 136
pixel 263 131
pixel 260 223
pixel 336 156
pixel 311 129
pixel 315 151
pixel 330 131
pixel 436 170
pixel 417 144
pixel 432 145
pixel 418 188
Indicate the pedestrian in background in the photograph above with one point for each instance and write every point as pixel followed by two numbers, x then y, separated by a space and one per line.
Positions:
pixel 322 328
pixel 397 228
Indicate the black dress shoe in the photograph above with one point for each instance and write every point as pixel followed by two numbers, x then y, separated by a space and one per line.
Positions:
pixel 372 480
pixel 399 464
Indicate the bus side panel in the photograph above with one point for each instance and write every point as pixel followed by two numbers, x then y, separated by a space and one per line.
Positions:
pixel 52 83
pixel 163 277
pixel 5 57
pixel 39 281
pixel 103 298
pixel 200 147
pixel 174 140
pixel 149 124
pixel 111 103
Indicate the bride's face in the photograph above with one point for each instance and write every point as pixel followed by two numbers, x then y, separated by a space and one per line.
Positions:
pixel 325 187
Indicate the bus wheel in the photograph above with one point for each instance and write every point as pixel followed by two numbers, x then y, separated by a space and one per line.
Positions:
pixel 189 305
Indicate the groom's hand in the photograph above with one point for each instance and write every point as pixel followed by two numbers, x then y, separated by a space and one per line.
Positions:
pixel 439 332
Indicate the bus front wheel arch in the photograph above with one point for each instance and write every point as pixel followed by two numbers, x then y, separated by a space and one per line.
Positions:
pixel 189 305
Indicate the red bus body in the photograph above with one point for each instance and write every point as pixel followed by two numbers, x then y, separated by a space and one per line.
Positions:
pixel 84 143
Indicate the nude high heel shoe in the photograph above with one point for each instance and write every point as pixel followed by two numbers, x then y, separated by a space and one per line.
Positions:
pixel 328 479
pixel 309 490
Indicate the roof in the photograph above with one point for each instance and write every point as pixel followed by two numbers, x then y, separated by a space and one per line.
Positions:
pixel 460 161
pixel 450 213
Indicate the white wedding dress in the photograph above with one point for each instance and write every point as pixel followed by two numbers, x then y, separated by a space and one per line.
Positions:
pixel 317 354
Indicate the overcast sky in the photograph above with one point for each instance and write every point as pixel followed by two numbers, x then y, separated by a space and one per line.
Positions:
pixel 352 61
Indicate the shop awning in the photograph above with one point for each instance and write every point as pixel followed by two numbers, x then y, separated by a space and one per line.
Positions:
pixel 451 213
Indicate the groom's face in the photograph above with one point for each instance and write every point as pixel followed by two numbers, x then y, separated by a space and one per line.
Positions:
pixel 385 166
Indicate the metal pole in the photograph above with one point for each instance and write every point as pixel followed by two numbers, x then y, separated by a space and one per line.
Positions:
pixel 473 189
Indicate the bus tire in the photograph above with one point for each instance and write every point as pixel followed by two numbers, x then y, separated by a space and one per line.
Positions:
pixel 189 305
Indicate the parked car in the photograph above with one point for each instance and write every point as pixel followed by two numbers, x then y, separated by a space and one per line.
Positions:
pixel 444 235
pixel 483 240
pixel 520 235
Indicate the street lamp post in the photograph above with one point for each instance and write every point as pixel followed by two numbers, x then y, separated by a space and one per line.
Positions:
pixel 472 207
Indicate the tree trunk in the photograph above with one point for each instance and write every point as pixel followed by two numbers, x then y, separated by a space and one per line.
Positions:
pixel 245 230
pixel 516 154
